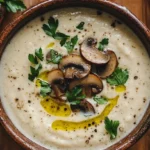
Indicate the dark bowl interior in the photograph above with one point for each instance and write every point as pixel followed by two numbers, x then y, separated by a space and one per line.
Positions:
pixel 120 12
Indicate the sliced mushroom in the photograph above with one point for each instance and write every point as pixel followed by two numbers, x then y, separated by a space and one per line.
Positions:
pixel 107 69
pixel 84 106
pixel 74 66
pixel 92 54
pixel 57 82
pixel 91 85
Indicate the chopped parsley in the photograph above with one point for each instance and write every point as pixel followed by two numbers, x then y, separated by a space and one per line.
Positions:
pixel 62 37
pixel 119 77
pixel 111 127
pixel 51 27
pixel 75 95
pixel 34 60
pixel 45 88
pixel 55 57
pixel 39 54
pixel 80 25
pixel 34 72
pixel 71 44
pixel 13 5
pixel 103 43
pixel 100 100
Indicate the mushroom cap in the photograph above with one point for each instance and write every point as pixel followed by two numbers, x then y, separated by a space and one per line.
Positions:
pixel 56 80
pixel 91 53
pixel 106 70
pixel 84 106
pixel 55 76
pixel 91 85
pixel 74 66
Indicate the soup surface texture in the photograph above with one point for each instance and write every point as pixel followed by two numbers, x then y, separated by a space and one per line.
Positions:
pixel 31 113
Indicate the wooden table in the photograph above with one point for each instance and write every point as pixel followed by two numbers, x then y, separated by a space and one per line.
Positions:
pixel 141 8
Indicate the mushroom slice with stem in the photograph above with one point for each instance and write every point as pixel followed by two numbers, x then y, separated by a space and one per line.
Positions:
pixel 74 66
pixel 91 85
pixel 89 51
pixel 84 106
pixel 57 82
pixel 107 69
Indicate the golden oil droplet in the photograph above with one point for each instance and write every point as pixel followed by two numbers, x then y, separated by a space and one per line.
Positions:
pixel 120 88
pixel 50 45
pixel 54 108
pixel 69 125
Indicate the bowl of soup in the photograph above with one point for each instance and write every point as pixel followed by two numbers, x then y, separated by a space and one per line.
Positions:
pixel 75 75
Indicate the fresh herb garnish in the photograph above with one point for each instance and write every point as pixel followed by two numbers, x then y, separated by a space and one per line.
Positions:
pixel 55 57
pixel 80 26
pixel 51 27
pixel 100 100
pixel 50 30
pixel 45 88
pixel 119 77
pixel 103 44
pixel 39 54
pixel 71 44
pixel 32 59
pixel 111 127
pixel 62 37
pixel 75 95
pixel 34 72
pixel 13 5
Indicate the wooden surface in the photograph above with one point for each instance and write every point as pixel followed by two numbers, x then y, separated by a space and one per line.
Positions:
pixel 141 8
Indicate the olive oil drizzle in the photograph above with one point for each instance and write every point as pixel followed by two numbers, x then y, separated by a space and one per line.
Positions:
pixel 43 76
pixel 52 107
pixel 70 125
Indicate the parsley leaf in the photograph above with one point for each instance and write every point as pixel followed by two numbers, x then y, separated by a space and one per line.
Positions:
pixel 32 59
pixel 62 37
pixel 111 127
pixel 45 88
pixel 14 5
pixel 34 72
pixel 51 27
pixel 71 44
pixel 54 57
pixel 75 95
pixel 39 54
pixel 50 30
pixel 103 43
pixel 80 26
pixel 100 100
pixel 119 77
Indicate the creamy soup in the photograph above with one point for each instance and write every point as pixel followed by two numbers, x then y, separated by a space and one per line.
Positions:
pixel 52 124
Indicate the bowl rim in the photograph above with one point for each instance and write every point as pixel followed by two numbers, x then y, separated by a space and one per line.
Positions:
pixel 13 27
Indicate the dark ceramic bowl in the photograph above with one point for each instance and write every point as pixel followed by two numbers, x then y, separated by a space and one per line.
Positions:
pixel 122 13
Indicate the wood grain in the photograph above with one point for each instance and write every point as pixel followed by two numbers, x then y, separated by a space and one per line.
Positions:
pixel 141 8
